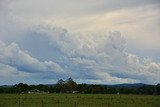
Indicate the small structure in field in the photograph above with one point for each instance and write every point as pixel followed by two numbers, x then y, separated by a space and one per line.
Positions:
pixel 75 92
pixel 36 92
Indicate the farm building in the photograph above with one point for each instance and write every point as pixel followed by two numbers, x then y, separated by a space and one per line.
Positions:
pixel 36 91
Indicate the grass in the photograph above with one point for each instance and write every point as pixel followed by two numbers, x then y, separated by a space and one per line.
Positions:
pixel 78 100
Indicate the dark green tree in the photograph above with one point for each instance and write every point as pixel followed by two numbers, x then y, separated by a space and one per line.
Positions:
pixel 158 89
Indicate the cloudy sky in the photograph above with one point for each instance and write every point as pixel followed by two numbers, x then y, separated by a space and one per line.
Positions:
pixel 92 41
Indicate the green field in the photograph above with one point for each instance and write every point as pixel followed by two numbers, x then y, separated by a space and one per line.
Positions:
pixel 78 100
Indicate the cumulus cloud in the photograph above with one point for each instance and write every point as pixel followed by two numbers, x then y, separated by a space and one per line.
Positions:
pixel 93 57
pixel 82 61
pixel 14 56
pixel 102 57
pixel 10 75
pixel 33 46
pixel 7 71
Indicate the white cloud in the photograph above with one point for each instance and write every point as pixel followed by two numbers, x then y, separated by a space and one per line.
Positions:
pixel 103 55
pixel 14 56
pixel 138 20
pixel 7 71
pixel 10 75
pixel 133 60
pixel 82 61
pixel 100 57
pixel 106 77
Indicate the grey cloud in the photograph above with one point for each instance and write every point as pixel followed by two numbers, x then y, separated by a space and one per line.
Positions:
pixel 52 8
pixel 96 57
pixel 10 75
pixel 106 52
pixel 83 57
pixel 12 55
pixel 7 71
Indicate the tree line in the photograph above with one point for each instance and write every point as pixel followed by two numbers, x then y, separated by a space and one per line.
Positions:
pixel 70 86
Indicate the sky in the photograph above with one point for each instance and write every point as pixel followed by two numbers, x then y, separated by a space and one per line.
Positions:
pixel 92 41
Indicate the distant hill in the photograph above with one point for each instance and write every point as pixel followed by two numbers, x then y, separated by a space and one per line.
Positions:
pixel 6 86
pixel 70 86
pixel 127 85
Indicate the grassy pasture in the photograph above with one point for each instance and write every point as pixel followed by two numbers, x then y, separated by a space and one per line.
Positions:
pixel 78 100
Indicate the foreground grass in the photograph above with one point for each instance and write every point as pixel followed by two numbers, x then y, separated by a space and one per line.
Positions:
pixel 78 100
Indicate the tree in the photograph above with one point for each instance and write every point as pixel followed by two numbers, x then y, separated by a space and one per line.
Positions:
pixel 65 86
pixel 22 87
pixel 158 89
pixel 60 82
pixel 70 85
